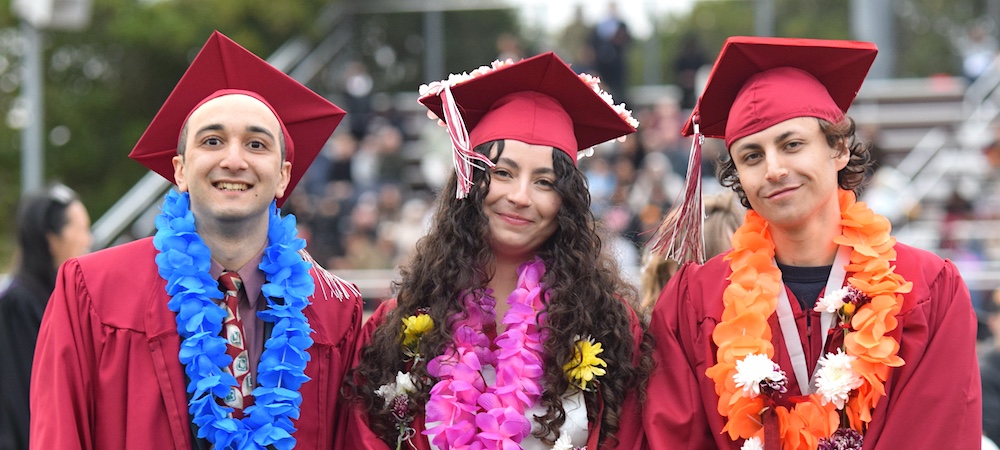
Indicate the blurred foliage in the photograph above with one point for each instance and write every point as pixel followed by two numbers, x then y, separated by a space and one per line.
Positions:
pixel 925 29
pixel 104 84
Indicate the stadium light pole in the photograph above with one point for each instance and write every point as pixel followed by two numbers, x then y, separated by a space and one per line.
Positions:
pixel 37 15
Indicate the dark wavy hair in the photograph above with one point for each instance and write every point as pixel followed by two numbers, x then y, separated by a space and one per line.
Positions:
pixel 40 214
pixel 587 298
pixel 839 135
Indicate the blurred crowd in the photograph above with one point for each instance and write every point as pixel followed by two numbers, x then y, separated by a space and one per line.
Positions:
pixel 366 200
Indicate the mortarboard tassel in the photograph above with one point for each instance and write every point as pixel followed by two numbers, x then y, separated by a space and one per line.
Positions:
pixel 462 155
pixel 680 235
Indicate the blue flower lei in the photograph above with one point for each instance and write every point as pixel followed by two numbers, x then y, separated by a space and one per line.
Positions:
pixel 184 261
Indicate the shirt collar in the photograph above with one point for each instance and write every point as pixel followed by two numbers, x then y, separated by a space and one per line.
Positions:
pixel 253 278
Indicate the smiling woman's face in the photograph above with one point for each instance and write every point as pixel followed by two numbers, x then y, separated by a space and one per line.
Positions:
pixel 522 203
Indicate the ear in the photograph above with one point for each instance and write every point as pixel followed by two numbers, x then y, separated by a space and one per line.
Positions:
pixel 286 177
pixel 179 179
pixel 844 154
pixel 53 240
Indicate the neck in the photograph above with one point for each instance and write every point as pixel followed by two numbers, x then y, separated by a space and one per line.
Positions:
pixel 503 282
pixel 233 245
pixel 808 245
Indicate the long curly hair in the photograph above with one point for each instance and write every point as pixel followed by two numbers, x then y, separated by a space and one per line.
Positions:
pixel 842 135
pixel 587 297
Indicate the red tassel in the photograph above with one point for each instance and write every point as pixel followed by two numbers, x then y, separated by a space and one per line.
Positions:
pixel 772 431
pixel 679 236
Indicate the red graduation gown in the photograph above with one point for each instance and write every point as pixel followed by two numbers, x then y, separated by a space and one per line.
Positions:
pixel 933 401
pixel 106 371
pixel 630 426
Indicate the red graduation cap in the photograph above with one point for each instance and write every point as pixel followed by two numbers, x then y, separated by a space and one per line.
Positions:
pixel 538 100
pixel 756 83
pixel 306 118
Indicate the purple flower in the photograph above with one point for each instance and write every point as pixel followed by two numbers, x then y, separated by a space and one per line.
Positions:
pixel 842 439
pixel 401 407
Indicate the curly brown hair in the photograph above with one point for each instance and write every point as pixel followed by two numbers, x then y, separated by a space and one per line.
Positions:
pixel 842 134
pixel 587 296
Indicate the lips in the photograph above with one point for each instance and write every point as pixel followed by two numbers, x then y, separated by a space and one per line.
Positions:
pixel 514 219
pixel 780 191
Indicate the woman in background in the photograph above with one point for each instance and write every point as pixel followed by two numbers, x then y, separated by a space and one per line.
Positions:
pixel 723 215
pixel 52 226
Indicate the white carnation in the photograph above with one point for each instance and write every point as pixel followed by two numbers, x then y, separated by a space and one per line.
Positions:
pixel 753 443
pixel 402 386
pixel 563 443
pixel 835 378
pixel 832 301
pixel 752 370
pixel 387 392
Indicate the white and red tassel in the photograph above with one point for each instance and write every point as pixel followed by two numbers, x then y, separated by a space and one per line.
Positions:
pixel 679 236
pixel 463 156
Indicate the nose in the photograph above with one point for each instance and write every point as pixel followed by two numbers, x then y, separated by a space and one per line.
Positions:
pixel 519 193
pixel 775 167
pixel 233 158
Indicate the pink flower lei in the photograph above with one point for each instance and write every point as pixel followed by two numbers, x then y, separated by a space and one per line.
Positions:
pixel 474 416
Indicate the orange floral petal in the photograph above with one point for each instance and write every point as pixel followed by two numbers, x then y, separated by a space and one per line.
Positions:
pixel 744 418
pixel 751 297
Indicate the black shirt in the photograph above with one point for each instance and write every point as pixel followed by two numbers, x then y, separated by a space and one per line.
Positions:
pixel 805 282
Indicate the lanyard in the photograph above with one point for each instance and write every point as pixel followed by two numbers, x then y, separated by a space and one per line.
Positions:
pixel 786 319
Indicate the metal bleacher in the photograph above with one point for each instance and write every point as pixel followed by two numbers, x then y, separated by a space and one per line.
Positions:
pixel 932 132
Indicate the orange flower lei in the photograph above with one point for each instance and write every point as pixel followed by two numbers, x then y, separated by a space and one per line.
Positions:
pixel 752 297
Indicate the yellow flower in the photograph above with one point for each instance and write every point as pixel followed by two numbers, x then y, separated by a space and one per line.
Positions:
pixel 584 366
pixel 414 327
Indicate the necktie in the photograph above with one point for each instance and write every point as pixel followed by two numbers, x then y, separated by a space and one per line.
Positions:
pixel 232 328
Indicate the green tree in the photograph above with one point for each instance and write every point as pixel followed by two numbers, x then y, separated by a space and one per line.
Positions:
pixel 924 28
pixel 104 84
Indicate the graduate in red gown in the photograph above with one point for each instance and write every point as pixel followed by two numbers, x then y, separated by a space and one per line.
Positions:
pixel 511 329
pixel 818 330
pixel 131 352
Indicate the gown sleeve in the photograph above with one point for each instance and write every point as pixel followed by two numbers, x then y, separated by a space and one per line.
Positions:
pixel 935 400
pixel 629 435
pixel 342 366
pixel 674 416
pixel 62 398
pixel 355 433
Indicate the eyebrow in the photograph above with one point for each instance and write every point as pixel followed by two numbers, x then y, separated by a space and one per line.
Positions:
pixel 755 146
pixel 210 127
pixel 250 128
pixel 516 166
pixel 261 130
